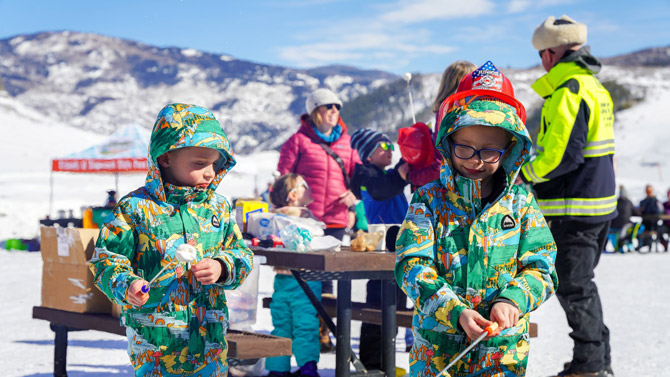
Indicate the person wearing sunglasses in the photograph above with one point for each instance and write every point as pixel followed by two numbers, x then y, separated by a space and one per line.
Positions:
pixel 314 151
pixel 382 193
pixel 320 152
pixel 573 177
pixel 474 248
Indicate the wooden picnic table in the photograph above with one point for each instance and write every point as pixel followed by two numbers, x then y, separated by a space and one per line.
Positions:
pixel 344 266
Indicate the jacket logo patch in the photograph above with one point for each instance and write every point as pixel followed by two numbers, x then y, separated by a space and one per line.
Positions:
pixel 507 222
pixel 215 222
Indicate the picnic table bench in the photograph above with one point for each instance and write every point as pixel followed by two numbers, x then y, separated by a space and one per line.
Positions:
pixel 242 345
pixel 363 312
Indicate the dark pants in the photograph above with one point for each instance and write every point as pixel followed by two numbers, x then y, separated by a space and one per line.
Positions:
pixel 579 248
pixel 371 335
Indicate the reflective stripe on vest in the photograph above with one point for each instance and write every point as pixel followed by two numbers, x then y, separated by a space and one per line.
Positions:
pixel 599 148
pixel 578 207
pixel 530 173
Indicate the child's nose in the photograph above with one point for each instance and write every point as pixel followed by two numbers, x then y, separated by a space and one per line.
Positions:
pixel 209 172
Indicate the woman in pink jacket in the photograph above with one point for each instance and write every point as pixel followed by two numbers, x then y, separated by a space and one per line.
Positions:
pixel 307 153
pixel 313 152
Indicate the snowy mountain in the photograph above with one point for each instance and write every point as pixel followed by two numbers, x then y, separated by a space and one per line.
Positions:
pixel 100 83
pixel 650 57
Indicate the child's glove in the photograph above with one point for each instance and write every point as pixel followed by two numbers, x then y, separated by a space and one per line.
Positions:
pixel 135 295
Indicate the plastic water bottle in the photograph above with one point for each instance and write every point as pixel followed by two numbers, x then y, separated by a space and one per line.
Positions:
pixel 295 238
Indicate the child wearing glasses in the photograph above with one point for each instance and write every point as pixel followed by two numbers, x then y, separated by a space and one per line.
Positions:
pixel 381 191
pixel 474 248
pixel 293 315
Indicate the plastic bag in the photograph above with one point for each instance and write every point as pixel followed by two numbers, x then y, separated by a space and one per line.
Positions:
pixel 263 224
pixel 295 238
pixel 365 241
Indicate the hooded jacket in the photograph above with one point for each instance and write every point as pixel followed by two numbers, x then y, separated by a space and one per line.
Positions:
pixel 303 155
pixel 453 253
pixel 181 329
pixel 573 170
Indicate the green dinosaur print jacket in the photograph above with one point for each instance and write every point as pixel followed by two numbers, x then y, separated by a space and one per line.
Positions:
pixel 181 328
pixel 454 253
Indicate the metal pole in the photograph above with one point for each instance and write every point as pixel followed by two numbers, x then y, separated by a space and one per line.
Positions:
pixel 408 78
pixel 388 326
pixel 343 346
pixel 51 192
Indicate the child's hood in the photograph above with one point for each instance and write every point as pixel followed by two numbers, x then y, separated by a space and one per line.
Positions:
pixel 181 125
pixel 483 111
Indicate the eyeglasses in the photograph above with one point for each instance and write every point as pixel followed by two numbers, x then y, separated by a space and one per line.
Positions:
pixel 296 189
pixel 330 106
pixel 385 145
pixel 488 155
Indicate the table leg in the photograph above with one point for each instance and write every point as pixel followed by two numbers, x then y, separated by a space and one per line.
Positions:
pixel 388 326
pixel 60 350
pixel 343 345
pixel 358 365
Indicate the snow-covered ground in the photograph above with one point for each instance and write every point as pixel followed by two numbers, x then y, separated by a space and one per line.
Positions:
pixel 633 287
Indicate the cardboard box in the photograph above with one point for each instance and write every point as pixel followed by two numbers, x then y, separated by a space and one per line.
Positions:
pixel 67 283
pixel 243 208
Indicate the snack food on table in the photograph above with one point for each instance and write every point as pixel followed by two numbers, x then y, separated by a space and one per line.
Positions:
pixel 365 241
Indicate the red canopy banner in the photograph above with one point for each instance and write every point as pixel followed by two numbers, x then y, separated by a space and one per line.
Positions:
pixel 100 165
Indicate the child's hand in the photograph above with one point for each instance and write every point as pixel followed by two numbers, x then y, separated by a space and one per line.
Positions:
pixel 347 198
pixel 507 315
pixel 135 295
pixel 403 170
pixel 473 324
pixel 207 271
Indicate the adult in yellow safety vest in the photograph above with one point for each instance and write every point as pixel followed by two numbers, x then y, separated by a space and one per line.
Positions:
pixel 573 177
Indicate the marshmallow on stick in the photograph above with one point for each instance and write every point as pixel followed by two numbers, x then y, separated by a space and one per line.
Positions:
pixel 185 254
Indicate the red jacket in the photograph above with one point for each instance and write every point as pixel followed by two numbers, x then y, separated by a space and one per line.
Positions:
pixel 420 177
pixel 303 155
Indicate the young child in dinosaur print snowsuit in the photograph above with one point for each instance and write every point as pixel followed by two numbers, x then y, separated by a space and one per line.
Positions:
pixel 178 328
pixel 474 248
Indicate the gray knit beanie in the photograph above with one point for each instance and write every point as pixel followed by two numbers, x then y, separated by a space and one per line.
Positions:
pixel 558 32
pixel 321 97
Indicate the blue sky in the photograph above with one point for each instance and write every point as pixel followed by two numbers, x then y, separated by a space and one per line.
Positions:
pixel 396 36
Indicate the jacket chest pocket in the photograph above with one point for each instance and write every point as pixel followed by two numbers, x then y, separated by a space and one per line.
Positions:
pixel 452 248
pixel 502 250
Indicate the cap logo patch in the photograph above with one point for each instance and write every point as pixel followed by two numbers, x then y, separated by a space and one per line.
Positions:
pixel 487 77
pixel 215 222
pixel 507 222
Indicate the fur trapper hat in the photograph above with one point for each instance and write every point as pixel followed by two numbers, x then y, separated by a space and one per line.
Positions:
pixel 559 32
